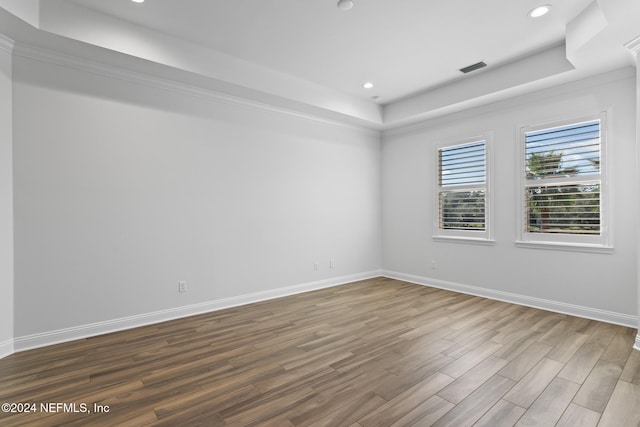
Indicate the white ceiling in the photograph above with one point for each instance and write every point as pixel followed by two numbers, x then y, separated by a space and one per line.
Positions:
pixel 311 56
pixel 403 46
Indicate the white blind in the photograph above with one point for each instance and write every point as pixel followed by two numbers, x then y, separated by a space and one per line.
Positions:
pixel 462 187
pixel 562 191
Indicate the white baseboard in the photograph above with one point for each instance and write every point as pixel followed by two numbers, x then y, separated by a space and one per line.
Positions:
pixel 84 331
pixel 555 306
pixel 6 348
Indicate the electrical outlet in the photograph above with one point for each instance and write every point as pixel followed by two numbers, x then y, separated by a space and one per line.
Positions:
pixel 434 264
pixel 182 286
pixel 315 266
pixel 332 263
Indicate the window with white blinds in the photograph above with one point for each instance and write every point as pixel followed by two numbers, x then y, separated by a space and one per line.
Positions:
pixel 462 190
pixel 563 183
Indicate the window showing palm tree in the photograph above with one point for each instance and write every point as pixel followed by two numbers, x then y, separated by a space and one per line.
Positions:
pixel 562 191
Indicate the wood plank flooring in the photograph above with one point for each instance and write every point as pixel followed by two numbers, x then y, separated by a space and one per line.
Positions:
pixel 379 352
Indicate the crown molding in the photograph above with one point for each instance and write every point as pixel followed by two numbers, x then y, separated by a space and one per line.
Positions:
pixel 167 84
pixel 6 44
pixel 552 91
pixel 634 45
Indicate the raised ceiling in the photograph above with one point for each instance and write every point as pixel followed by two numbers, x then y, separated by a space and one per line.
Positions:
pixel 402 46
pixel 313 53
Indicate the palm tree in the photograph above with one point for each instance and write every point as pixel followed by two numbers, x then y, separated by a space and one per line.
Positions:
pixel 546 165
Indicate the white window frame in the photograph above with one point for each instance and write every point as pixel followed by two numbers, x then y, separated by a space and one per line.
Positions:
pixel 465 236
pixel 560 241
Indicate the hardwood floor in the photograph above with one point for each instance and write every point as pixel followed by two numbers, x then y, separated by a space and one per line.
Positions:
pixel 374 353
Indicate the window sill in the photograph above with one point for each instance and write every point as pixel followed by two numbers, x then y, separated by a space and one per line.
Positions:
pixel 562 246
pixel 467 240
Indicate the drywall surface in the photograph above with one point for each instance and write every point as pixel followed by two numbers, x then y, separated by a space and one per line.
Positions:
pixel 6 206
pixel 123 189
pixel 592 282
pixel 637 343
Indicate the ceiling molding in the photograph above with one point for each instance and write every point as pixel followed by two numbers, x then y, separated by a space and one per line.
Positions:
pixel 231 74
pixel 634 45
pixel 547 67
pixel 175 86
pixel 553 91
pixel 500 82
pixel 6 44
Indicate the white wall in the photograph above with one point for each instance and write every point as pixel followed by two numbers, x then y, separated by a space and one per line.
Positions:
pixel 595 285
pixel 637 61
pixel 6 206
pixel 123 189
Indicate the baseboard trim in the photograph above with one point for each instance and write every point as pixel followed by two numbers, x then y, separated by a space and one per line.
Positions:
pixel 549 305
pixel 44 339
pixel 6 348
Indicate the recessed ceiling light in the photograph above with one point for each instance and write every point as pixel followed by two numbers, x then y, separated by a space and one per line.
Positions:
pixel 367 85
pixel 138 1
pixel 345 4
pixel 540 11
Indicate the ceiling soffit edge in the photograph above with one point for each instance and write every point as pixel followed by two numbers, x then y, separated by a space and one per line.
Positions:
pixel 146 78
pixel 559 88
pixel 492 83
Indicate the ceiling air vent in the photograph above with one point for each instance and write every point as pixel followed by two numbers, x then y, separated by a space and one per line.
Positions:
pixel 473 67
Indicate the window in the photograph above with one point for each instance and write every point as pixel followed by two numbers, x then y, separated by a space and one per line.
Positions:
pixel 462 207
pixel 563 196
